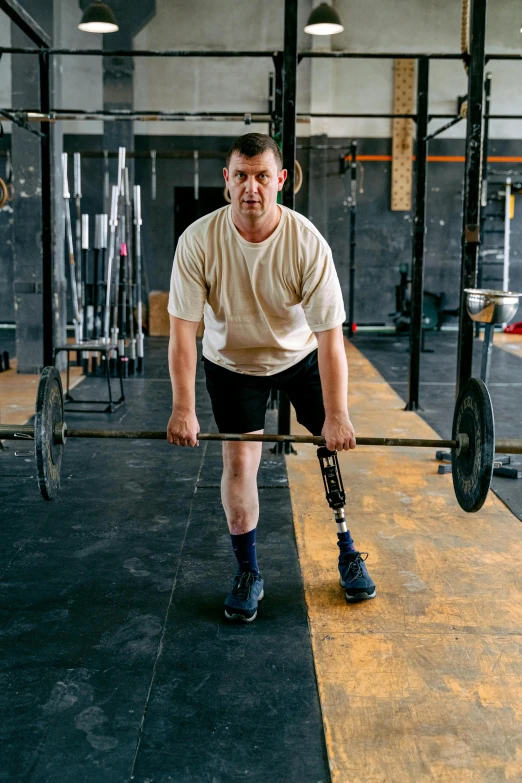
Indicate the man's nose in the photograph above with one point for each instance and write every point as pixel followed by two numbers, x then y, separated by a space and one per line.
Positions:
pixel 251 185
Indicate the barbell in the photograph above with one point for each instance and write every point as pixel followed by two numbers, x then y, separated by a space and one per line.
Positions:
pixel 472 444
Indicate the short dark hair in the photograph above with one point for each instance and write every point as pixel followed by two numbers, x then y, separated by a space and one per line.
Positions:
pixel 252 144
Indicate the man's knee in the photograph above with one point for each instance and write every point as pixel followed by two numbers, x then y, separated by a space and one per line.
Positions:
pixel 241 459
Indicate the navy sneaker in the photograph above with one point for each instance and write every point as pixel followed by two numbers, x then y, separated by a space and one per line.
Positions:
pixel 241 603
pixel 355 578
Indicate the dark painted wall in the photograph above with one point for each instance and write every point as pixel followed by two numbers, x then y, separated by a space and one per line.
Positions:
pixel 383 237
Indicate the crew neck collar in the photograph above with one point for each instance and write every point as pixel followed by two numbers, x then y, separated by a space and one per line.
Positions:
pixel 266 241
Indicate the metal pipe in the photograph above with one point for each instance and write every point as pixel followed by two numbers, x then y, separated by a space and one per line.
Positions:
pixel 419 234
pixel 248 53
pixel 11 431
pixel 507 234
pixel 290 63
pixel 445 127
pixel 113 224
pixel 472 182
pixel 353 218
pixel 48 287
pixel 137 246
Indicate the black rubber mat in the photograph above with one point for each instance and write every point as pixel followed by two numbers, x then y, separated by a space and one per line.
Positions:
pixel 117 664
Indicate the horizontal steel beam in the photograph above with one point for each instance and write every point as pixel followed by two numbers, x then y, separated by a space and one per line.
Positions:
pixel 335 55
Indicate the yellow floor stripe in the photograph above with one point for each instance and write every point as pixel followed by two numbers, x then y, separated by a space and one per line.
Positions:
pixel 512 343
pixel 424 683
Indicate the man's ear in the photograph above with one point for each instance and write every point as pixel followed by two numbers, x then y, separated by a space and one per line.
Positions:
pixel 281 178
pixel 225 174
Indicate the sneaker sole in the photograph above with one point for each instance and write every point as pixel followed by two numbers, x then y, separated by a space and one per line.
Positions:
pixel 242 616
pixel 355 599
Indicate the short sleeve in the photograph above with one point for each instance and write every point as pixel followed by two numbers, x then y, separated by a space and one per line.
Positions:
pixel 188 292
pixel 322 298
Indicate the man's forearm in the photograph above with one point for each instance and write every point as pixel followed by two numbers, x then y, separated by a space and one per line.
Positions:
pixel 333 369
pixel 183 357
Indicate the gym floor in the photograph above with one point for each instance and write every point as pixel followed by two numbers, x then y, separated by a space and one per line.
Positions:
pixel 118 666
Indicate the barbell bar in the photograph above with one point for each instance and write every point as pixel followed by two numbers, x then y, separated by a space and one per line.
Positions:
pixel 12 432
pixel 472 444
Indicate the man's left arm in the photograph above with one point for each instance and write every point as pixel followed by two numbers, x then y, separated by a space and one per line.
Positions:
pixel 333 368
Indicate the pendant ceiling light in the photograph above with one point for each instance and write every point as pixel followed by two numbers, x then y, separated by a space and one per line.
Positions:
pixel 324 20
pixel 98 18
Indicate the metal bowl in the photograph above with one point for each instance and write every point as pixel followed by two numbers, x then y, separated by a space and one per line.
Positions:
pixel 491 307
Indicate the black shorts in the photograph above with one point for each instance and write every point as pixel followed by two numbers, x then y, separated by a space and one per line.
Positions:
pixel 239 401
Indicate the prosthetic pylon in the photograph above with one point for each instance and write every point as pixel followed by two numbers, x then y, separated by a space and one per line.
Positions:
pixel 333 485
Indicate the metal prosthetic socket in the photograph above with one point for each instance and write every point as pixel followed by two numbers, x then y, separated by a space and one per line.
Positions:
pixel 333 485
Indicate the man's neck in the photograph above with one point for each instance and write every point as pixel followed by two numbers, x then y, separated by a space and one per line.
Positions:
pixel 260 229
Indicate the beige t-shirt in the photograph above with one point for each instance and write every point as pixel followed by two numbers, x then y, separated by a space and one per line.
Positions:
pixel 261 301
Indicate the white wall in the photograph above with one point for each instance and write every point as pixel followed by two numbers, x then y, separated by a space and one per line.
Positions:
pixel 5 68
pixel 82 77
pixel 413 26
pixel 206 84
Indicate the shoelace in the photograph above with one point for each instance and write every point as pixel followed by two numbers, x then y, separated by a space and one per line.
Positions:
pixel 244 585
pixel 355 566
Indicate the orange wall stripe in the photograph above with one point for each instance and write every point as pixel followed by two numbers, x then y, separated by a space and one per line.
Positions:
pixel 441 158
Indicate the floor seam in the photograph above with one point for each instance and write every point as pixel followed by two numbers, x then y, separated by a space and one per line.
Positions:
pixel 160 645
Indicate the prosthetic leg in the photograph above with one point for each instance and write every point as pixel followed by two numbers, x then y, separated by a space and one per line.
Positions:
pixel 333 485
pixel 354 576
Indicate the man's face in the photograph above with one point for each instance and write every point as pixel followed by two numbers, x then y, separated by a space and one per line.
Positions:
pixel 253 183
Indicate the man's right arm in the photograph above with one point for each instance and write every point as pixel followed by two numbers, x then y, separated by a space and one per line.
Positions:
pixel 183 425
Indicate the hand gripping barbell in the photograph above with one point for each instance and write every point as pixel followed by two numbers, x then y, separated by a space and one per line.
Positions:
pixel 472 445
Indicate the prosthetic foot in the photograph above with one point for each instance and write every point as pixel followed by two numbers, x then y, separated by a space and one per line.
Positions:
pixel 354 576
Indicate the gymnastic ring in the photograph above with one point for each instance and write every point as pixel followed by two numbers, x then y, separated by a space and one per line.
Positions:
pixel 298 177
pixel 4 193
pixel 226 195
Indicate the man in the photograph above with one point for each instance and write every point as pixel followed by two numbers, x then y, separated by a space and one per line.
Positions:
pixel 264 279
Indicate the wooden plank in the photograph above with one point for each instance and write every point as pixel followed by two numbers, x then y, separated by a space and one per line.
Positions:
pixel 159 324
pixel 402 137
pixel 424 683
pixel 18 393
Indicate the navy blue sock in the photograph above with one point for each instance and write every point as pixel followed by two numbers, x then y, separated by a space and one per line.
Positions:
pixel 345 542
pixel 244 547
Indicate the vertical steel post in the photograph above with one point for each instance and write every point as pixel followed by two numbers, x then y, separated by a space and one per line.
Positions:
pixel 289 100
pixel 419 232
pixel 277 116
pixel 47 212
pixel 289 149
pixel 472 183
pixel 484 188
pixel 353 217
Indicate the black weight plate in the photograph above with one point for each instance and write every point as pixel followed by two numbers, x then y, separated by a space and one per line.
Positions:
pixel 49 413
pixel 472 471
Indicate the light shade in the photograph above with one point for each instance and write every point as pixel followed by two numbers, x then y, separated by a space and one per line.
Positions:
pixel 98 18
pixel 324 20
